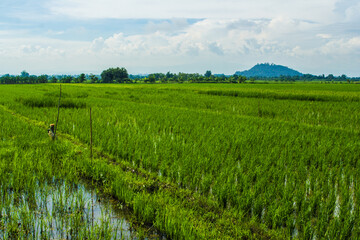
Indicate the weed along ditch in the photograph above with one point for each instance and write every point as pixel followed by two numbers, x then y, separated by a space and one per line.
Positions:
pixel 180 161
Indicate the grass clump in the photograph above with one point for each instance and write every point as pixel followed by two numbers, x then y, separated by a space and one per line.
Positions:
pixel 49 102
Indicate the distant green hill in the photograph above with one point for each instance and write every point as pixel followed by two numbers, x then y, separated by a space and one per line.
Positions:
pixel 268 70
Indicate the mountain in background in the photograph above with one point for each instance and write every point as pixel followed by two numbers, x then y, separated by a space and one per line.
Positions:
pixel 268 70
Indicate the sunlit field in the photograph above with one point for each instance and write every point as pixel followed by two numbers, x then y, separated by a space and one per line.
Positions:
pixel 185 161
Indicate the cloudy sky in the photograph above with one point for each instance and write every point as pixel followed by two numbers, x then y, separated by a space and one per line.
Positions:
pixel 75 36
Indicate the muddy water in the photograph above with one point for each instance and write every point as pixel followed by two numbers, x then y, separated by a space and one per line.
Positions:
pixel 63 210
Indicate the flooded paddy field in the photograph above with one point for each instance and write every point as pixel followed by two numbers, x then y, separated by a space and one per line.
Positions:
pixel 188 161
pixel 64 210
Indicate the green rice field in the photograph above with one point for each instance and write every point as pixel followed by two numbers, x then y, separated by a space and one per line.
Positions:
pixel 180 161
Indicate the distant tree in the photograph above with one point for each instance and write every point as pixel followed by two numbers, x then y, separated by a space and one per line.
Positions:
pixel 233 79
pixel 163 79
pixel 208 74
pixel 120 75
pixel 25 74
pixel 53 79
pixel 93 78
pixel 152 78
pixel 42 79
pixel 32 79
pixel 7 79
pixel 107 76
pixel 169 75
pixel 221 78
pixel 183 77
pixel 66 79
pixel 241 79
pixel 114 75
pixel 81 78
pixel 330 77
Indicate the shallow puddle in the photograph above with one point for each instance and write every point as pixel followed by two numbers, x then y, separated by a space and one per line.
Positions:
pixel 63 210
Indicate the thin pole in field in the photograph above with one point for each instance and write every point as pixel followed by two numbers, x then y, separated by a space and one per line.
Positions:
pixel 91 157
pixel 57 119
pixel 92 208
pixel 91 138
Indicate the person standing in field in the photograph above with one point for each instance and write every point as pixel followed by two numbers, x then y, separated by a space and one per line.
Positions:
pixel 51 131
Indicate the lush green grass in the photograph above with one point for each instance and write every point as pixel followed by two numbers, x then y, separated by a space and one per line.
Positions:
pixel 213 160
pixel 42 191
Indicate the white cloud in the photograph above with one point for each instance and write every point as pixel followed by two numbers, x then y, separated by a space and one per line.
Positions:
pixel 222 45
pixel 352 13
pixel 207 36
pixel 51 32
pixel 40 51
pixel 172 25
pixel 323 35
pixel 216 48
pixel 97 44
pixel 342 47
pixel 285 25
pixel 221 40
pixel 40 55
pixel 349 9
pixel 6 34
pixel 304 9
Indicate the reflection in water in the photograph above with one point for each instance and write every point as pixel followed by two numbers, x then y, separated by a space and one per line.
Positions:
pixel 61 210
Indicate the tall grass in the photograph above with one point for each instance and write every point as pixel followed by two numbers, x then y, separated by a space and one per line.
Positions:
pixel 50 102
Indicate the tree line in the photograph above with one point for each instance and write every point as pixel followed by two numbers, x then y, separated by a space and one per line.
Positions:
pixel 120 75
pixel 310 77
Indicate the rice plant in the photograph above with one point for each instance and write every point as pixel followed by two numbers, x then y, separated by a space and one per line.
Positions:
pixel 195 161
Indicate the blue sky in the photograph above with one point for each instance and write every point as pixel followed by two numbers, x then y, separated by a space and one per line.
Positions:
pixel 224 36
